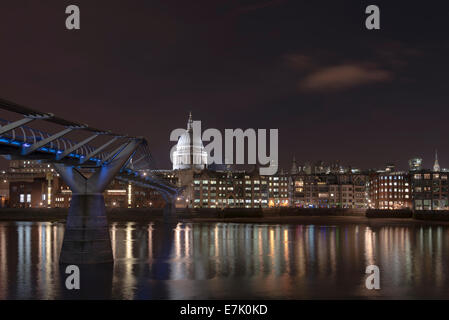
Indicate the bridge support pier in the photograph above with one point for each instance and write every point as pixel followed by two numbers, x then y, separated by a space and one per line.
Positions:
pixel 86 238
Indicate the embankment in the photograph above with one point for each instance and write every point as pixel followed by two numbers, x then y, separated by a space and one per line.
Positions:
pixel 401 214
pixel 35 214
pixel 431 215
pixel 277 215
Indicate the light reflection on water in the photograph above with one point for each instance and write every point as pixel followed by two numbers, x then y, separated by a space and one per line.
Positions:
pixel 233 261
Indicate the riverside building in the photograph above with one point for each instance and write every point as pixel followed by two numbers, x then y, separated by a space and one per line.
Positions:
pixel 239 189
pixel 390 190
pixel 328 190
pixel 430 190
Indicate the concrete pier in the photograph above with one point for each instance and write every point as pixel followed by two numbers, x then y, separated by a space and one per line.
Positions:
pixel 86 238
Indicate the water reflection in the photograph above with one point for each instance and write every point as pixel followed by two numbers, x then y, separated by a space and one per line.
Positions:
pixel 28 260
pixel 225 260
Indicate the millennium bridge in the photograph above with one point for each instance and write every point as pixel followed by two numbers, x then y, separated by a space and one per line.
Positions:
pixel 87 169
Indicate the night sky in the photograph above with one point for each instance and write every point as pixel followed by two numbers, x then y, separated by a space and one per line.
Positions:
pixel 335 90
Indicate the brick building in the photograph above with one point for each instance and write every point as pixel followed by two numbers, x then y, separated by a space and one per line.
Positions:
pixel 390 190
pixel 328 190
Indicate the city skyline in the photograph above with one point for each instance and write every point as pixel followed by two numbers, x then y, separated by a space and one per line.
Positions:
pixel 302 162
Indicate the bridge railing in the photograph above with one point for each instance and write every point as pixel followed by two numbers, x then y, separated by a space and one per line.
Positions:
pixel 28 135
pixel 58 148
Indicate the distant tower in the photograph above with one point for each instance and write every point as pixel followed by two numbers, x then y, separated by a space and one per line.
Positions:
pixel 294 169
pixel 436 165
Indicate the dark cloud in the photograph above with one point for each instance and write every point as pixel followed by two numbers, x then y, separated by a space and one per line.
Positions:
pixel 343 77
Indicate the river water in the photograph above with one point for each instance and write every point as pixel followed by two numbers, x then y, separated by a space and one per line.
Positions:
pixel 231 261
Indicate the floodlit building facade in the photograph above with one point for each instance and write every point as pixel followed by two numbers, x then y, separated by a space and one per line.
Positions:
pixel 328 190
pixel 239 189
pixel 390 190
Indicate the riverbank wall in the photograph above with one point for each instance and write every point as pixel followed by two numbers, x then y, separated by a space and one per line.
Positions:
pixel 436 215
pixel 401 213
pixel 43 214
pixel 139 214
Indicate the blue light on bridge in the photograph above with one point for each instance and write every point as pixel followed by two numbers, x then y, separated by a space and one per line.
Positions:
pixel 44 149
pixel 8 141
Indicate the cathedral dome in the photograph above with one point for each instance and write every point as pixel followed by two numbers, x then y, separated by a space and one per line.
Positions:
pixel 189 152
